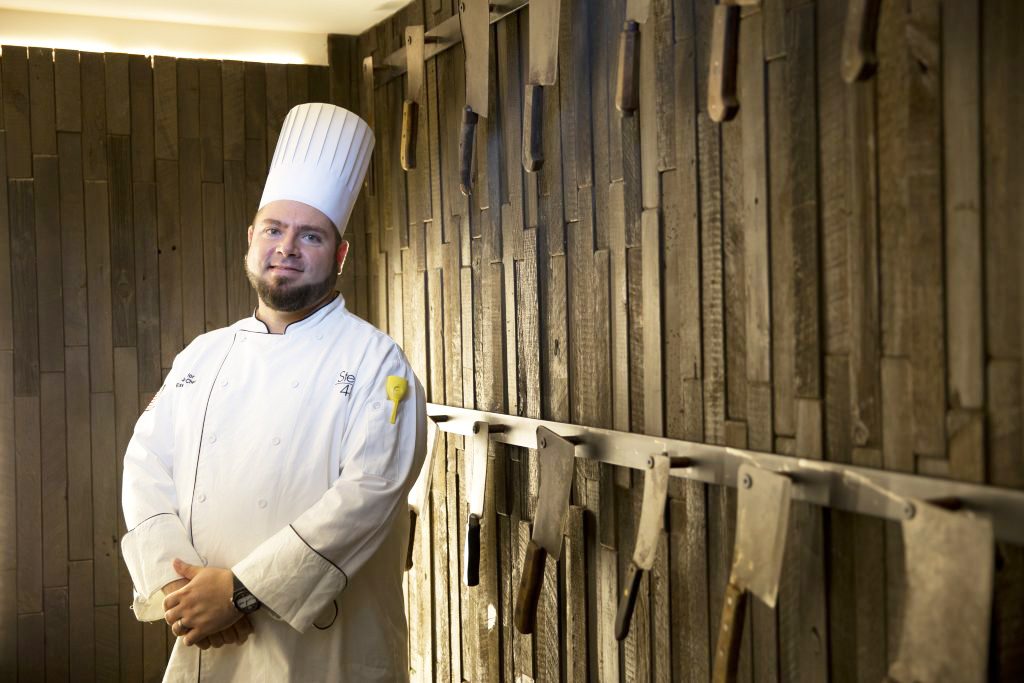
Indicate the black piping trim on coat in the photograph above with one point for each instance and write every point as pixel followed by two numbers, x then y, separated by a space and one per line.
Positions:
pixel 328 302
pixel 320 554
pixel 202 430
pixel 333 619
pixel 159 514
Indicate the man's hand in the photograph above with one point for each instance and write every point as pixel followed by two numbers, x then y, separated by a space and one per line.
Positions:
pixel 202 608
pixel 234 634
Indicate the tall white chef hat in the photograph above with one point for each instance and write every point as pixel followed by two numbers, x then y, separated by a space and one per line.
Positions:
pixel 321 160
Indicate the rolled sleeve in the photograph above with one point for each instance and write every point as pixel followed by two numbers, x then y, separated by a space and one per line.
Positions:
pixel 291 578
pixel 148 550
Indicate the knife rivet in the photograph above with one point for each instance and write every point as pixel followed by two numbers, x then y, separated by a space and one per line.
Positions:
pixel 650 462
pixel 747 481
pixel 409 40
pixel 909 511
pixel 543 442
pixel 462 7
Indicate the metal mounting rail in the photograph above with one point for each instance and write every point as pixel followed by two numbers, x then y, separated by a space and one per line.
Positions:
pixel 438 39
pixel 878 493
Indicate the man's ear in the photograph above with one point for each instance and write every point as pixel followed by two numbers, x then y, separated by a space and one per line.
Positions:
pixel 341 254
pixel 250 236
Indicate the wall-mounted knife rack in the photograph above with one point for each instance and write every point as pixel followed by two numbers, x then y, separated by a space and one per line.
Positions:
pixel 438 39
pixel 878 493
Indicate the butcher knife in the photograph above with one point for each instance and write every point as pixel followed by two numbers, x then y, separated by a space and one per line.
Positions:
pixel 414 57
pixel 474 18
pixel 762 519
pixel 368 114
pixel 477 474
pixel 421 489
pixel 543 70
pixel 557 456
pixel 949 557
pixel 652 521
pixel 859 38
pixel 627 80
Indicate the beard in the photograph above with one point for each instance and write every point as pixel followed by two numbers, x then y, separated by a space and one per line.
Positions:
pixel 290 298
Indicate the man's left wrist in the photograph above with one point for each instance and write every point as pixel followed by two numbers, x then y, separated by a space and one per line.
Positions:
pixel 242 598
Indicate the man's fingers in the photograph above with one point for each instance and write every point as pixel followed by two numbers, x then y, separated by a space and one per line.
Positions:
pixel 216 640
pixel 228 636
pixel 244 627
pixel 171 600
pixel 185 569
pixel 203 644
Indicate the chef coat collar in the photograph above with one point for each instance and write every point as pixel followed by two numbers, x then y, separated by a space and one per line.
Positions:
pixel 254 324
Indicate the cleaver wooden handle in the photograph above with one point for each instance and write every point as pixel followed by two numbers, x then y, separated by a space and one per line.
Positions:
pixel 412 539
pixel 410 121
pixel 860 35
pixel 722 102
pixel 530 583
pixel 627 602
pixel 471 552
pixel 730 635
pixel 628 75
pixel 466 137
pixel 533 127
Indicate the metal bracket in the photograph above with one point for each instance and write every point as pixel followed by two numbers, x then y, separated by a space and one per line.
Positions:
pixel 862 490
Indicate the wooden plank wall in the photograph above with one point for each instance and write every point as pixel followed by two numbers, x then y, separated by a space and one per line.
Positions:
pixel 126 184
pixel 834 274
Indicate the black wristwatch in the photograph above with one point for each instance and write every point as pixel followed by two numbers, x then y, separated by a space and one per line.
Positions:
pixel 244 601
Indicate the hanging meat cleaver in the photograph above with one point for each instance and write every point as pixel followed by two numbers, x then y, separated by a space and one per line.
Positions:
pixel 421 489
pixel 860 35
pixel 626 82
pixel 477 459
pixel 543 70
pixel 414 57
pixel 557 457
pixel 474 18
pixel 652 521
pixel 762 519
pixel 949 556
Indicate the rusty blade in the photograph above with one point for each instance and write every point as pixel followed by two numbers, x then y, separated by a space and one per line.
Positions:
pixel 543 69
pixel 414 63
pixel 762 519
pixel 949 560
pixel 557 458
pixel 474 18
pixel 652 512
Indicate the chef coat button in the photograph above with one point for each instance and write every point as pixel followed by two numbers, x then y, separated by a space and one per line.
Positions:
pixel 201 498
pixel 262 503
pixel 319 335
pixel 295 384
pixel 376 405
pixel 275 441
pixel 212 438
pixel 205 561
pixel 224 383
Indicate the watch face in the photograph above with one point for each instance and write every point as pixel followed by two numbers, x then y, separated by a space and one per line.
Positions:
pixel 246 602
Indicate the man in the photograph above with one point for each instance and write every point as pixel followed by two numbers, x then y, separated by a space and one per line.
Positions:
pixel 264 486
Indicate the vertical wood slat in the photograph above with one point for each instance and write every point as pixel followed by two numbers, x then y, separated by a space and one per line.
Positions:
pixel 17 114
pixel 8 521
pixel 42 101
pixel 48 260
pixel 74 276
pixel 23 290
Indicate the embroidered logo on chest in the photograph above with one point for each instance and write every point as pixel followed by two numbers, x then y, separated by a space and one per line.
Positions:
pixel 346 380
pixel 187 379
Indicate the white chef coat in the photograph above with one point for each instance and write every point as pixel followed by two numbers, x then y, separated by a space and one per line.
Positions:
pixel 275 456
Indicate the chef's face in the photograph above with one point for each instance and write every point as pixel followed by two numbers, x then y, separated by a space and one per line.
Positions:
pixel 294 255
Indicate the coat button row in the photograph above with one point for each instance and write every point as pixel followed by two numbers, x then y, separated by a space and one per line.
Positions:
pixel 262 503
pixel 201 497
pixel 276 441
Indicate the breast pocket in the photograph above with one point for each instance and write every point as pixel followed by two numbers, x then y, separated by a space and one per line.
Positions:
pixel 379 454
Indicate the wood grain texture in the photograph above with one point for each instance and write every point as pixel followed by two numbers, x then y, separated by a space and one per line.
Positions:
pixel 28 493
pixel 122 242
pixel 8 521
pixel 67 81
pixel 53 474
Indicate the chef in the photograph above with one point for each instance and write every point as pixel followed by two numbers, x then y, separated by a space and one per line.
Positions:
pixel 264 486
